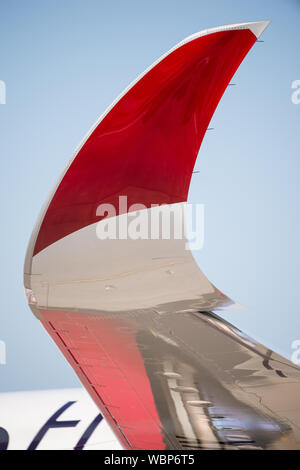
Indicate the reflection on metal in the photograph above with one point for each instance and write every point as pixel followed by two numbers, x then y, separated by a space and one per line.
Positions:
pixel 209 388
pixel 134 317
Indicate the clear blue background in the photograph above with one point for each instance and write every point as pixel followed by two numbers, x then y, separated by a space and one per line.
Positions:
pixel 64 62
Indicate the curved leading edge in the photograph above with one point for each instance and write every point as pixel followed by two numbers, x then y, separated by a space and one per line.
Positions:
pixel 129 314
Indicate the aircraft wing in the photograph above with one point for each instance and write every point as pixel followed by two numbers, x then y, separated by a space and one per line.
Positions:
pixel 134 315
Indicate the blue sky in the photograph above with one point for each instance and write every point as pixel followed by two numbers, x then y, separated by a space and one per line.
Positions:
pixel 64 62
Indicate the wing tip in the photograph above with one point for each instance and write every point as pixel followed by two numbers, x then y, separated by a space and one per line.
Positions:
pixel 258 27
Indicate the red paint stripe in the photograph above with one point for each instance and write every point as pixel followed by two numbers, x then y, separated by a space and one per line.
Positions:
pixel 146 146
pixel 104 354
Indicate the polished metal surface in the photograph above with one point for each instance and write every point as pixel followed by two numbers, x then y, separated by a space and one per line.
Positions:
pixel 134 317
pixel 181 380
